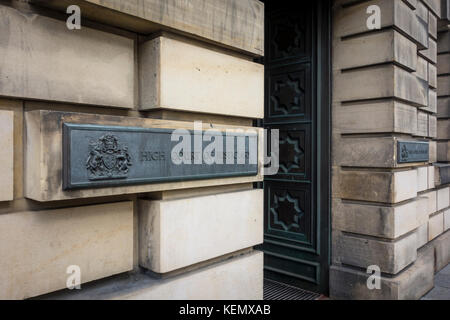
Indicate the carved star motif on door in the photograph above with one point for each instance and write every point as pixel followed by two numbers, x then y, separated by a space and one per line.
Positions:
pixel 286 211
pixel 290 159
pixel 288 95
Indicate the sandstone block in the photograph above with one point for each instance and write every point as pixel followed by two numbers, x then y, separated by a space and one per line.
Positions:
pixel 412 283
pixel 378 152
pixel 434 6
pixel 178 233
pixel 422 179
pixel 364 50
pixel 378 117
pixel 443 151
pixel 443 198
pixel 84 66
pixel 390 256
pixel 443 129
pixel 422 124
pixel 435 226
pixel 239 278
pixel 443 63
pixel 422 235
pixel 388 222
pixel 432 25
pixel 444 42
pixel 442 173
pixel 443 108
pixel 446 220
pixel 443 85
pixel 422 68
pixel 432 126
pixel 37 247
pixel 386 187
pixel 433 151
pixel 431 180
pixel 432 101
pixel 442 251
pixel 386 81
pixel 430 54
pixel 432 76
pixel 351 20
pixel 7 155
pixel 432 202
pixel 201 76
pixel 229 23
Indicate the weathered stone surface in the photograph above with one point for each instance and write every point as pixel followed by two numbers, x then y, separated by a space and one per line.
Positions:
pixel 433 151
pixel 422 68
pixel 43 180
pixel 37 247
pixel 443 198
pixel 431 180
pixel 444 42
pixel 84 66
pixel 422 235
pixel 443 85
pixel 430 54
pixel 379 221
pixel 432 126
pixel 386 187
pixel 446 220
pixel 376 117
pixel 412 283
pixel 390 256
pixel 6 155
pixel 422 11
pixel 432 101
pixel 432 76
pixel 352 20
pixel 365 50
pixel 422 124
pixel 239 278
pixel 385 81
pixel 422 179
pixel 443 63
pixel 442 173
pixel 178 233
pixel 442 251
pixel 443 151
pixel 443 109
pixel 435 226
pixel 443 129
pixel 200 77
pixel 432 202
pixel 378 152
pixel 432 25
pixel 434 6
pixel 231 23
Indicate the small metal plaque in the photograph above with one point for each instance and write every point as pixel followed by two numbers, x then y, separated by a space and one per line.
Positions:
pixel 101 156
pixel 412 151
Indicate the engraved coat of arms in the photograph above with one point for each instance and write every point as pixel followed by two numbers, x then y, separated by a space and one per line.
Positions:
pixel 108 159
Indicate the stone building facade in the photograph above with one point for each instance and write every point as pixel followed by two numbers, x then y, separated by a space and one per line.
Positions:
pixel 355 108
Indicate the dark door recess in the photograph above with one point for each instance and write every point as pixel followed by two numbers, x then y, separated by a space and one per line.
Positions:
pixel 297 63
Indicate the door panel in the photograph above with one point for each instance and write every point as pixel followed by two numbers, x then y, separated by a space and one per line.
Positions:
pixel 296 226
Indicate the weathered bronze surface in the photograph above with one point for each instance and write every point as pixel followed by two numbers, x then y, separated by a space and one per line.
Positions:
pixel 412 151
pixel 100 156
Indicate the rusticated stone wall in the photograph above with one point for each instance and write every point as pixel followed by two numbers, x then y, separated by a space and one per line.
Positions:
pixel 388 214
pixel 127 71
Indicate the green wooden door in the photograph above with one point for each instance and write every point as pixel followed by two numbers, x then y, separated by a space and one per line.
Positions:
pixel 297 236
